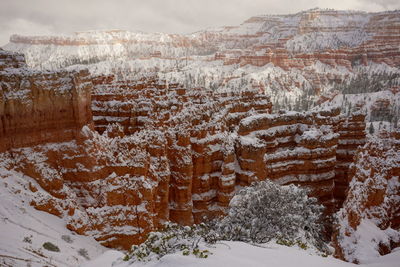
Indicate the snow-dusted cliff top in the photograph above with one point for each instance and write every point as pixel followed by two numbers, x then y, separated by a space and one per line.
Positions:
pixel 307 31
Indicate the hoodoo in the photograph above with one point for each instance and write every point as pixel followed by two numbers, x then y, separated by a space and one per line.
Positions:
pixel 155 152
pixel 119 133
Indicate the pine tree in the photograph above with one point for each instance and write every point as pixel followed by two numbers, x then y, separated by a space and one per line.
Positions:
pixel 371 128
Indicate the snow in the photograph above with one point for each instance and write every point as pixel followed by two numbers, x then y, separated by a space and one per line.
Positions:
pixel 312 134
pixel 19 221
pixel 104 260
pixel 129 53
pixel 369 236
pixel 235 254
pixel 366 99
pixel 389 260
pixel 374 173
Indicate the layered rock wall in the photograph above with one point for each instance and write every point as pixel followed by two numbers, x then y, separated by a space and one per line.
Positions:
pixel 352 135
pixel 196 125
pixel 369 224
pixel 161 152
pixel 38 107
pixel 310 49
pixel 295 148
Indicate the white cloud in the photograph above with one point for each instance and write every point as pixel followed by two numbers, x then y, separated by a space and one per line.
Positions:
pixel 173 16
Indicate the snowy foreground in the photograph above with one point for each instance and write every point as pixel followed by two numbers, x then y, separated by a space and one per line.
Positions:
pixel 232 254
pixel 23 230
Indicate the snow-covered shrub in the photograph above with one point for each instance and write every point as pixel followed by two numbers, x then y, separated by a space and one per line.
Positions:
pixel 266 211
pixel 171 239
pixel 257 214
pixel 51 247
pixel 67 239
pixel 84 253
pixel 27 239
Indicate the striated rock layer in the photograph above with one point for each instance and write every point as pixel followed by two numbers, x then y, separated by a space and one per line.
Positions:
pixel 369 222
pixel 352 135
pixel 337 38
pixel 291 57
pixel 39 107
pixel 290 148
pixel 157 152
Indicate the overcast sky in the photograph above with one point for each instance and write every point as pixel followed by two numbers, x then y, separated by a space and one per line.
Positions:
pixel 35 17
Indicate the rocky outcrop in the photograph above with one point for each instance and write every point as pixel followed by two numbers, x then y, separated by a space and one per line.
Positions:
pixel 156 151
pixel 311 149
pixel 381 109
pixel 152 167
pixel 369 223
pixel 38 107
pixel 297 148
pixel 352 135
pixel 196 125
pixel 302 53
pixel 207 161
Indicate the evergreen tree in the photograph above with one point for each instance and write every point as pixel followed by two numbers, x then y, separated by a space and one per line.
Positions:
pixel 371 128
pixel 266 210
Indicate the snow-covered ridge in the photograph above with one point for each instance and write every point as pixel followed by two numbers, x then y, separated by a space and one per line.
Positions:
pixel 94 37
pixel 306 31
pixel 292 58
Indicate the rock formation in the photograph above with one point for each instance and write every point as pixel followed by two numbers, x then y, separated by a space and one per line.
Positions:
pixel 39 107
pixel 157 151
pixel 369 222
pixel 290 57
pixel 290 148
pixel 288 41
pixel 352 135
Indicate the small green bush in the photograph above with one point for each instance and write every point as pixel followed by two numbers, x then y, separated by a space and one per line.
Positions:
pixel 284 242
pixel 301 245
pixel 51 247
pixel 126 258
pixel 173 238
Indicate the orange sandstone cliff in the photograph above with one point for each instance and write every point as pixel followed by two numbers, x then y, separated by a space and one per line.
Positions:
pixel 368 223
pixel 156 152
pixel 39 107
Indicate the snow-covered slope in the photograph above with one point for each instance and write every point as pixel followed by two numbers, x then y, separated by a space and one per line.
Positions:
pixel 24 230
pixel 382 107
pixel 307 31
pixel 293 58
pixel 235 254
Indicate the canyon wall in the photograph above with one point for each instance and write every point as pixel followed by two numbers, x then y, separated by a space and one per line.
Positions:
pixel 39 107
pixel 352 135
pixel 297 148
pixel 311 149
pixel 368 223
pixel 157 151
pixel 290 57
pixel 197 125
pixel 341 38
